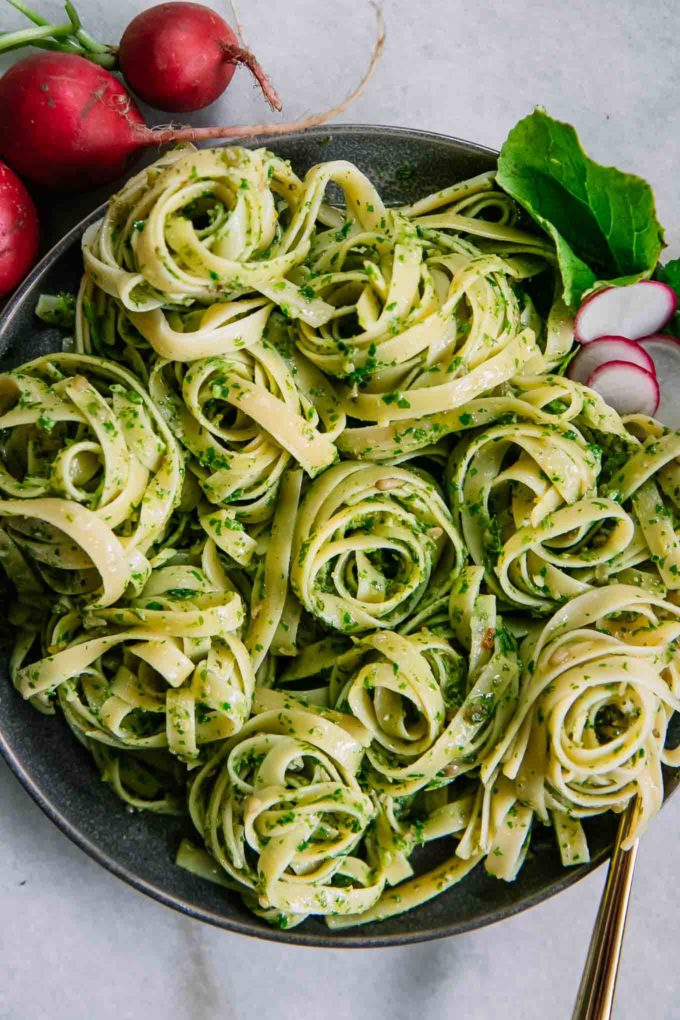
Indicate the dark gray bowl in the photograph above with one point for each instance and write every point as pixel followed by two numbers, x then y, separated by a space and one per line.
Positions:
pixel 59 774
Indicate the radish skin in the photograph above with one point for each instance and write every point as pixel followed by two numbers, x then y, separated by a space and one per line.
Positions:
pixel 68 124
pixel 627 388
pixel 665 354
pixel 631 312
pixel 181 56
pixel 607 348
pixel 19 232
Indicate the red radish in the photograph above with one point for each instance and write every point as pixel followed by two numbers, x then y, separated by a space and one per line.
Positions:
pixel 176 56
pixel 627 388
pixel 607 348
pixel 182 56
pixel 665 353
pixel 67 123
pixel 18 230
pixel 632 312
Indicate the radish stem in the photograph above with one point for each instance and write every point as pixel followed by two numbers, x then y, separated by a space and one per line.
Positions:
pixel 32 15
pixel 86 40
pixel 72 14
pixel 28 36
pixel 71 38
pixel 109 61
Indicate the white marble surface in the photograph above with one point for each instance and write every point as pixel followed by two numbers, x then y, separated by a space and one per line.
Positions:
pixel 77 944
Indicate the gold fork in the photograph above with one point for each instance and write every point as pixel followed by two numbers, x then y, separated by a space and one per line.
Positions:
pixel 598 984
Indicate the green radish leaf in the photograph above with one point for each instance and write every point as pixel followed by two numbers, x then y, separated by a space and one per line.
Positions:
pixel 603 221
pixel 670 274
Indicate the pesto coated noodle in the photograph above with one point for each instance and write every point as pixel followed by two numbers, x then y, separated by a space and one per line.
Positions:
pixel 312 539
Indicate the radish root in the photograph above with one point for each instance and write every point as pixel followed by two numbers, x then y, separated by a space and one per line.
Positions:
pixel 151 136
pixel 240 55
pixel 243 55
pixel 237 24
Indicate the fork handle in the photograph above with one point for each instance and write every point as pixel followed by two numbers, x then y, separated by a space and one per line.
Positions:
pixel 598 984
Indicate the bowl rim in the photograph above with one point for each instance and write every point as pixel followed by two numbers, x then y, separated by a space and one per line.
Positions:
pixel 238 925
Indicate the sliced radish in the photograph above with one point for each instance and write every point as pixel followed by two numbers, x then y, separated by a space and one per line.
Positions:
pixel 631 312
pixel 665 353
pixel 607 348
pixel 627 388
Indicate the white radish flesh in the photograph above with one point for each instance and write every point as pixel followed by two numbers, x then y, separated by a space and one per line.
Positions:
pixel 632 312
pixel 627 388
pixel 607 348
pixel 665 353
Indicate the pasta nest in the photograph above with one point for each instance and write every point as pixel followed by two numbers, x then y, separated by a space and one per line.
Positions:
pixel 91 475
pixel 165 670
pixel 281 811
pixel 370 545
pixel 600 684
pixel 245 419
pixel 526 498
pixel 418 739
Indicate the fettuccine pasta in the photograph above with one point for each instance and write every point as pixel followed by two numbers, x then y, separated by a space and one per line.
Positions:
pixel 311 539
